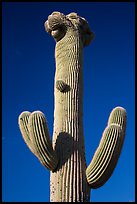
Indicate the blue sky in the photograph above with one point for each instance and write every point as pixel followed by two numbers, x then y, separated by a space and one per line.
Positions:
pixel 28 68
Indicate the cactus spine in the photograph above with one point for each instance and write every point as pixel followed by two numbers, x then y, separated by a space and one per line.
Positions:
pixel 70 178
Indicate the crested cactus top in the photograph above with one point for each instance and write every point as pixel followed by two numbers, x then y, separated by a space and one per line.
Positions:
pixel 58 25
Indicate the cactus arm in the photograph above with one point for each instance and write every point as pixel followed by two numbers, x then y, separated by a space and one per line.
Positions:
pixel 39 135
pixel 23 126
pixel 106 156
pixel 33 127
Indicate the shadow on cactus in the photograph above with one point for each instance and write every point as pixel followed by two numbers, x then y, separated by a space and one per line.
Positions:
pixel 70 178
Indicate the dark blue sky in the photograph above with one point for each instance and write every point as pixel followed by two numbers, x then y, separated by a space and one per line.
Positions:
pixel 28 68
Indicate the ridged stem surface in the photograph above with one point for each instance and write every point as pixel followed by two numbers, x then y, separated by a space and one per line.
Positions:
pixel 33 127
pixel 69 183
pixel 107 154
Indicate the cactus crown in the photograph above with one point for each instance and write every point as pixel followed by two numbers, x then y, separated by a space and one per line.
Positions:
pixel 58 25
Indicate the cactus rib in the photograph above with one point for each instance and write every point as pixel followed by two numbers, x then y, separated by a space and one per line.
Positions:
pixel 106 156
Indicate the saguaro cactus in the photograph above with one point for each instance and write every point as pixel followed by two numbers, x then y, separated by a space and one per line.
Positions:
pixel 70 178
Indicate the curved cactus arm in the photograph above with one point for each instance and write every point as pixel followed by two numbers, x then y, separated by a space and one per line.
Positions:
pixel 106 156
pixel 40 138
pixel 35 133
pixel 23 126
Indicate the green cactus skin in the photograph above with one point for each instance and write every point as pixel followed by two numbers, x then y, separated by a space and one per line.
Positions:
pixel 106 156
pixel 70 178
pixel 23 125
pixel 35 133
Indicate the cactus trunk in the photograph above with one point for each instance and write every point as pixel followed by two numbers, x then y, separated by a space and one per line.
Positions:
pixel 68 182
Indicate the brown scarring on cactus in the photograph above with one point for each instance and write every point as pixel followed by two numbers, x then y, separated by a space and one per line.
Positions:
pixel 70 178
